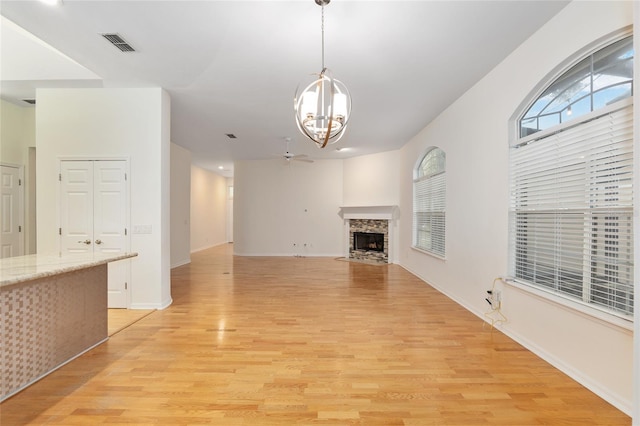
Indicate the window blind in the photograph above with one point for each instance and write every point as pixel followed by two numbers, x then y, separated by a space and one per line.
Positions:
pixel 571 212
pixel 429 213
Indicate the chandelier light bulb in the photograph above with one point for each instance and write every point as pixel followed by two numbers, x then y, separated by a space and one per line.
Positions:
pixel 309 103
pixel 340 105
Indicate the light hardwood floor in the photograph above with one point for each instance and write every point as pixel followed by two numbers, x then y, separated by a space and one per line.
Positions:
pixel 119 319
pixel 312 341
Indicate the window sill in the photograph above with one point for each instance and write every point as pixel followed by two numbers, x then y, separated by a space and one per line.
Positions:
pixel 428 253
pixel 606 318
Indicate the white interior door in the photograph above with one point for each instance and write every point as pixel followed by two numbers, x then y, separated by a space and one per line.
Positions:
pixel 11 243
pixel 76 206
pixel 110 212
pixel 94 211
pixel 110 225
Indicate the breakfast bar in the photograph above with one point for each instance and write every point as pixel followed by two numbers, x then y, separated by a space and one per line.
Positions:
pixel 53 308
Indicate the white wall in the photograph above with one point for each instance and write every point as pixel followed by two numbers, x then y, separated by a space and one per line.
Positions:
pixel 17 132
pixel 208 209
pixel 372 180
pixel 278 205
pixel 17 136
pixel 474 133
pixel 132 123
pixel 229 195
pixel 180 205
pixel 164 143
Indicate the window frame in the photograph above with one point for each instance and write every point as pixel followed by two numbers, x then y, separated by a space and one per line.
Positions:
pixel 558 74
pixel 609 315
pixel 433 214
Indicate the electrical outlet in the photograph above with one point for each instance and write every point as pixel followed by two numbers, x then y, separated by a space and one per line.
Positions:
pixel 498 296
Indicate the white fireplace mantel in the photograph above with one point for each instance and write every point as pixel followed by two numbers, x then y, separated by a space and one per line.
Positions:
pixel 369 212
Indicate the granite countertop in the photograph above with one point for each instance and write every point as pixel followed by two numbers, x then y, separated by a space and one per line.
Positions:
pixel 14 270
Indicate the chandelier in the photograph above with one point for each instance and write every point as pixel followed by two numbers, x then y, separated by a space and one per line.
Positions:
pixel 323 108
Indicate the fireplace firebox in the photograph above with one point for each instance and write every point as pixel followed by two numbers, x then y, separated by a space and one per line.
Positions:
pixel 369 241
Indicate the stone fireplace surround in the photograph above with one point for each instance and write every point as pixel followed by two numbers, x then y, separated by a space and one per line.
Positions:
pixel 379 226
pixel 378 219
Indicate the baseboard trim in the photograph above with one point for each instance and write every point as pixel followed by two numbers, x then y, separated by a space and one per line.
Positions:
pixel 181 263
pixel 158 306
pixel 334 255
pixel 195 250
pixel 614 399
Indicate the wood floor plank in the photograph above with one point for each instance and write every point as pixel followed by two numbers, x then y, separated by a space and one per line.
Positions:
pixel 311 341
pixel 119 319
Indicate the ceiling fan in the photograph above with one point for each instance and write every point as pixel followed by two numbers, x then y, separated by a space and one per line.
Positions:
pixel 300 157
pixel 289 156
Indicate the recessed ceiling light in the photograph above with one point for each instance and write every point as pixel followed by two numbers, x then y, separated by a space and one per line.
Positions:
pixel 51 2
pixel 220 168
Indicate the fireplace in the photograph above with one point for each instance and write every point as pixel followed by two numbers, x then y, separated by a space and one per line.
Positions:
pixel 368 241
pixel 369 235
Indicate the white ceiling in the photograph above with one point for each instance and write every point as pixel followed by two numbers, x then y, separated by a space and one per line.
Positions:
pixel 233 66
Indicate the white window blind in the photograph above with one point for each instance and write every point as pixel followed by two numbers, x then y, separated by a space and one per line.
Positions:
pixel 571 213
pixel 429 192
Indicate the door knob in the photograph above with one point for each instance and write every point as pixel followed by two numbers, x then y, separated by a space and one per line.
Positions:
pixel 98 241
pixel 87 242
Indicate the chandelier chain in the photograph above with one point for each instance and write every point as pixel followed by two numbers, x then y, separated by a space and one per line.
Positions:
pixel 322 28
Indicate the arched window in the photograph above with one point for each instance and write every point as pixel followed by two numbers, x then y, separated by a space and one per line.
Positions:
pixel 600 79
pixel 429 192
pixel 571 176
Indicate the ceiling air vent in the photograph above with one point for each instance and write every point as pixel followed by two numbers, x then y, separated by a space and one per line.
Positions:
pixel 118 42
pixel 30 101
pixel 231 136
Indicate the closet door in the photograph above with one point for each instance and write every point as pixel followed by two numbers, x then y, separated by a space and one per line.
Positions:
pixel 93 217
pixel 110 210
pixel 76 207
pixel 109 207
